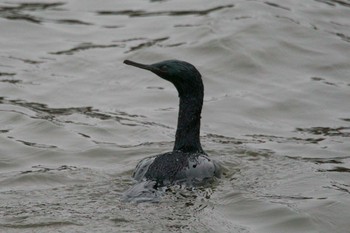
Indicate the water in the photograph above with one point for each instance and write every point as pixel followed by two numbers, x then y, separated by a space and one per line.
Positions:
pixel 75 120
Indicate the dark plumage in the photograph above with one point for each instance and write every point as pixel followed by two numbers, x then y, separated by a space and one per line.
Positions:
pixel 187 161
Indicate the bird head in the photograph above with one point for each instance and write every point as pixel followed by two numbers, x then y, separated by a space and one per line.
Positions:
pixel 185 77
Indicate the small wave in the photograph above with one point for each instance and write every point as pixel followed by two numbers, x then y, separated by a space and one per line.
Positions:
pixel 19 12
pixel 142 13
pixel 84 46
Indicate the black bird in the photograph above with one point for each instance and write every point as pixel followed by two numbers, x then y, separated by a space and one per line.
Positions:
pixel 187 162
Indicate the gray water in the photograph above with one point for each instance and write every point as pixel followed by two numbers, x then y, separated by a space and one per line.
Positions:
pixel 75 120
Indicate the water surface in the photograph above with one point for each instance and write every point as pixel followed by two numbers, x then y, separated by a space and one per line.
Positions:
pixel 75 120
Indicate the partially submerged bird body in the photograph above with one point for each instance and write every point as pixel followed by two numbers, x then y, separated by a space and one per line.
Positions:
pixel 187 162
pixel 177 167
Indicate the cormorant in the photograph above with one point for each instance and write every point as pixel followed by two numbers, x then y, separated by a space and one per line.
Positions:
pixel 187 162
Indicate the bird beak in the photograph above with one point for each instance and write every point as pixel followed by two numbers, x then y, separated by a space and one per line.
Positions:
pixel 143 66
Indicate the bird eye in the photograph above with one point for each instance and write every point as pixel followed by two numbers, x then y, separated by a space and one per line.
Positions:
pixel 164 67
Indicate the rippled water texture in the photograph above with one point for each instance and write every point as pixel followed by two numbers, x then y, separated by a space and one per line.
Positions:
pixel 75 120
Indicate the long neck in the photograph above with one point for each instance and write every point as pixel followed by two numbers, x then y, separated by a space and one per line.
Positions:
pixel 188 125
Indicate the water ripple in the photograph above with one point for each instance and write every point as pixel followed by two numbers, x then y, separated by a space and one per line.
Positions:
pixel 43 111
pixel 7 74
pixel 37 145
pixel 36 225
pixel 142 13
pixel 146 44
pixel 277 5
pixel 84 46
pixel 73 22
pixel 339 187
pixel 18 12
pixel 334 2
pixel 326 131
pixel 336 169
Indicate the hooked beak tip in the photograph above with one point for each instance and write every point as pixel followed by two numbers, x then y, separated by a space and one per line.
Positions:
pixel 128 62
pixel 139 65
